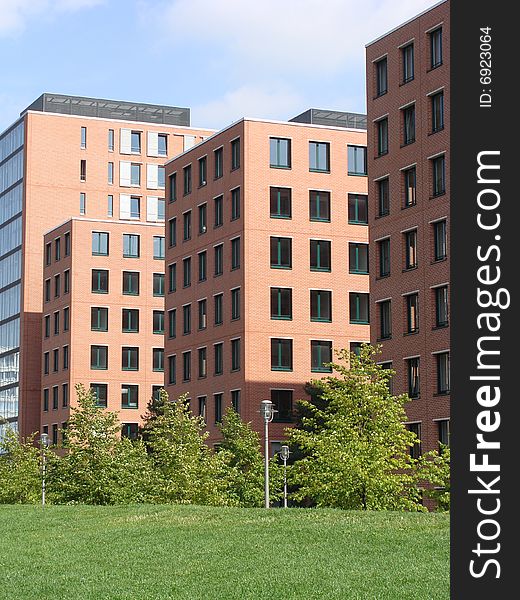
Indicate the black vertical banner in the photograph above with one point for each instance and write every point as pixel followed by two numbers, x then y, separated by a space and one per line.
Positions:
pixel 485 238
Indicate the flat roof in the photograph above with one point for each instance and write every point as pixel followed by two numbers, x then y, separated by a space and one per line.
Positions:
pixel 331 118
pixel 110 109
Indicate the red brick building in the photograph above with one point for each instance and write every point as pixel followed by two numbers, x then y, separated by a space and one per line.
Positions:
pixel 266 262
pixel 408 98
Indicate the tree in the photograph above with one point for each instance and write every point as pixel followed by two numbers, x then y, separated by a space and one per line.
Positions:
pixel 185 468
pixel 434 467
pixel 355 449
pixel 242 463
pixel 97 466
pixel 20 475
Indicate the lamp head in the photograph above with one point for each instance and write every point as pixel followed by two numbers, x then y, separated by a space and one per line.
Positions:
pixel 44 440
pixel 266 410
pixel 284 452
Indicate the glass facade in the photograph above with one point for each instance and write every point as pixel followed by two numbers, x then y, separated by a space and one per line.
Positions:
pixel 11 193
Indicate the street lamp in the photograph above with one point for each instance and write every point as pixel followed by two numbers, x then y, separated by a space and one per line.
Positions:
pixel 267 411
pixel 44 444
pixel 284 455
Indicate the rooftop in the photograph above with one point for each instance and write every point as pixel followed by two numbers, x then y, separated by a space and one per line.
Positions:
pixel 331 118
pixel 110 109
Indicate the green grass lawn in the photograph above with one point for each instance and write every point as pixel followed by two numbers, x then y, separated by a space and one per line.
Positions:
pixel 192 552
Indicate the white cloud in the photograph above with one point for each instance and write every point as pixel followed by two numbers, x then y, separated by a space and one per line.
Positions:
pixel 268 102
pixel 15 14
pixel 277 36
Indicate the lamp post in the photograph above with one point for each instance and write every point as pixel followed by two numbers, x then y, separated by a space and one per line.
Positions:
pixel 44 444
pixel 267 411
pixel 284 454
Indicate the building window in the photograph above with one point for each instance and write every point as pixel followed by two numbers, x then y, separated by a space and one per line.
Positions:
pixel 383 197
pixel 321 305
pixel 235 400
pixel 129 396
pixel 202 407
pixel 65 395
pixel 135 174
pixel 203 168
pixel 219 310
pixel 130 321
pixel 99 281
pixel 83 137
pixel 203 265
pixel 281 354
pixel 186 225
pixel 67 243
pixel 110 173
pixel 130 358
pixel 320 255
pixel 172 232
pixel 283 404
pixel 235 304
pixel 382 136
pixel 98 318
pixel 82 203
pixel 57 249
pixel 235 355
pixel 436 48
pixel 321 356
pixel 359 312
pixel 158 359
pixel 280 153
pixel 135 142
pixel 443 428
pixel 48 254
pixel 385 319
pixel 130 430
pixel 203 218
pixel 280 203
pixel 130 245
pixel 186 272
pixel 235 204
pixel 99 243
pixel 441 306
pixel 356 347
pixel 47 326
pixel 319 157
pixel 415 450
pixel 172 278
pixel 65 357
pixel 319 205
pixel 83 170
pixel 47 290
pixel 437 108
pixel 162 144
pixel 161 178
pixel 412 313
pixel 281 303
pixel 55 397
pixel 219 358
pixel 46 363
pixel 219 259
pixel 110 205
pixel 57 285
pixel 219 211
pixel 55 360
pixel 100 394
pixel 410 243
pixel 439 175
pixel 408 124
pixel 235 154
pixel 203 362
pixel 408 63
pixel 381 76
pixel 358 258
pixel 203 313
pixel 357 160
pixel 413 377
pixel 281 253
pixel 172 360
pixel 172 186
pixel 235 253
pixel 158 284
pixel 172 323
pixel 186 319
pixel 217 398
pixel 133 206
pixel 111 140
pixel 57 322
pixel 383 247
pixel 410 187
pixel 358 209
pixel 218 155
pixel 130 283
pixel 187 180
pixel 66 318
pixel 99 357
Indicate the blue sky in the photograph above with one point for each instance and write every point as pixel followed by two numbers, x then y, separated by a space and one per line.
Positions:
pixel 222 58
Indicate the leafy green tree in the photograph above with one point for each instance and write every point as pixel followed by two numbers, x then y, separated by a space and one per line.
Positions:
pixel 185 468
pixel 20 475
pixel 355 449
pixel 97 466
pixel 242 463
pixel 434 468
